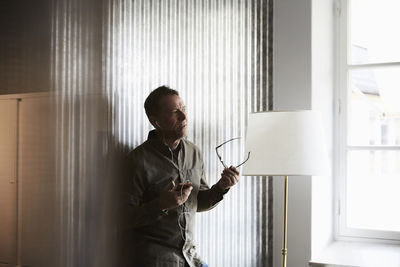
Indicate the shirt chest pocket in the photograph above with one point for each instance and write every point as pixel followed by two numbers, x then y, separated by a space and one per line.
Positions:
pixel 194 175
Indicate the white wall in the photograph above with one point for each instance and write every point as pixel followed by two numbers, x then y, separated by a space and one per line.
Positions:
pixel 302 80
pixel 322 100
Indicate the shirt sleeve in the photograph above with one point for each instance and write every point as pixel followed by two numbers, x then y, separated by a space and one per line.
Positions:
pixel 207 197
pixel 138 212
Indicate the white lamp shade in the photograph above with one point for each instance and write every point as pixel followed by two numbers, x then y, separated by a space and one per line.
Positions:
pixel 285 143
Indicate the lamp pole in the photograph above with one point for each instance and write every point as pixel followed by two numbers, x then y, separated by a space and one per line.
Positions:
pixel 285 204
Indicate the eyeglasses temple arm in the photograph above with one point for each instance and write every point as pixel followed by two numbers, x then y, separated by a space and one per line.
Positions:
pixel 248 156
pixel 219 156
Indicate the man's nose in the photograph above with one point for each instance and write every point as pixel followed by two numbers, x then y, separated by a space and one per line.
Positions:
pixel 182 115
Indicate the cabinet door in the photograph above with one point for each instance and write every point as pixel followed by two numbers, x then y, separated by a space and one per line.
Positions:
pixel 8 181
pixel 37 196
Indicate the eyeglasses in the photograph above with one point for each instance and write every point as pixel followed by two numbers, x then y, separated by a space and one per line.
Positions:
pixel 220 158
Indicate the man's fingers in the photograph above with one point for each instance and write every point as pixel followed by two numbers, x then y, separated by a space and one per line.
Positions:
pixel 170 186
pixel 229 177
pixel 187 190
pixel 229 173
pixel 174 196
pixel 234 169
pixel 183 194
pixel 233 179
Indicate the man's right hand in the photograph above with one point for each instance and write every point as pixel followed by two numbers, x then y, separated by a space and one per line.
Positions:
pixel 174 196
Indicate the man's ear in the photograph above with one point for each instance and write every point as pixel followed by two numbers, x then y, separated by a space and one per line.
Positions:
pixel 153 121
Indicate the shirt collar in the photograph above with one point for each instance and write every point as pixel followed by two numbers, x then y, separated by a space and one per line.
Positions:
pixel 153 139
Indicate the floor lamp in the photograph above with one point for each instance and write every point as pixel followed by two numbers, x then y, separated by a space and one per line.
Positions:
pixel 286 144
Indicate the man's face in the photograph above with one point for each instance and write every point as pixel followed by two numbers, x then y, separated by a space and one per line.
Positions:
pixel 172 117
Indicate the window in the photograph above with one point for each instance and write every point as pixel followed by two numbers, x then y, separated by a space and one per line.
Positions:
pixel 368 121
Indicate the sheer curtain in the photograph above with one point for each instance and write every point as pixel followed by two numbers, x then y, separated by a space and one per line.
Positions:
pixel 106 58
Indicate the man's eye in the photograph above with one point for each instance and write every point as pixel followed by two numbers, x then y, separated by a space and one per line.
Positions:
pixel 181 110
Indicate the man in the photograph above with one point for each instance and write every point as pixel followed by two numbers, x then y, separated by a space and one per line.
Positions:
pixel 166 187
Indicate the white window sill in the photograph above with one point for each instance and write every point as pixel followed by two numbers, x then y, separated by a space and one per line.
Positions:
pixel 358 254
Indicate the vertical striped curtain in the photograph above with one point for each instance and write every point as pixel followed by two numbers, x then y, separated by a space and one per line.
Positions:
pixel 107 56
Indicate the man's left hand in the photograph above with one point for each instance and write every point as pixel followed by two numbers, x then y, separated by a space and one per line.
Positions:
pixel 229 177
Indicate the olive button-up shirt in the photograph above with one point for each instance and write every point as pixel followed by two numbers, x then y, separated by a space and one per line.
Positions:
pixel 156 237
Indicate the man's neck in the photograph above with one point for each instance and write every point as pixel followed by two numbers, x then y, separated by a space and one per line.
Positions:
pixel 173 144
pixel 170 142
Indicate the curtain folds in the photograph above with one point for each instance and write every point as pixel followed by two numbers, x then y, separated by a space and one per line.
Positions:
pixel 106 58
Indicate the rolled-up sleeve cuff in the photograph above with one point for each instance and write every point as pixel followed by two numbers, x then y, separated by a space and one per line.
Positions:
pixel 219 190
pixel 218 193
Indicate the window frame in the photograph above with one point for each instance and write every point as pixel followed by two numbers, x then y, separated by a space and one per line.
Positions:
pixel 342 94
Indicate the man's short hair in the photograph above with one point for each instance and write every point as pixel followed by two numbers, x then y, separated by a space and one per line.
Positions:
pixel 151 105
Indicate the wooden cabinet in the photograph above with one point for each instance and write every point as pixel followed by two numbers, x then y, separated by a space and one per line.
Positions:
pixel 28 220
